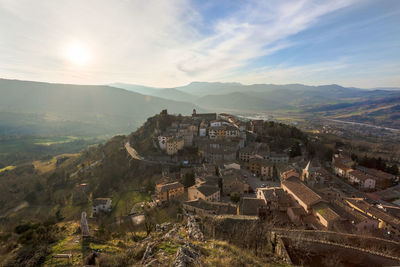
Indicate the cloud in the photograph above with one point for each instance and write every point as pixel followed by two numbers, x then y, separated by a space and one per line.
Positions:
pixel 157 43
pixel 252 32
pixel 348 72
pixel 130 40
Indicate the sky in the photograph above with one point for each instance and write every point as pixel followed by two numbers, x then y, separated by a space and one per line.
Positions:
pixel 175 42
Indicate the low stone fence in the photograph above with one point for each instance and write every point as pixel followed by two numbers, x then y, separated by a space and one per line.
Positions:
pixel 372 245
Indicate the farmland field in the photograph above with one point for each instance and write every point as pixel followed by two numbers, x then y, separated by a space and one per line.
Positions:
pixel 18 149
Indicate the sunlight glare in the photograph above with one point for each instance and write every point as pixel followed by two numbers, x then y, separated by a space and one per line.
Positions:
pixel 78 53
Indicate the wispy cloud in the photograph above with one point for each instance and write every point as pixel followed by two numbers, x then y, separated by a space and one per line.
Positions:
pixel 352 74
pixel 159 43
pixel 254 31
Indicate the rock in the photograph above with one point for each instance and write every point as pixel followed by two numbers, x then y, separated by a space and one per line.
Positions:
pixel 179 239
pixel 147 256
pixel 152 262
pixel 162 227
pixel 194 229
pixel 172 233
pixel 186 254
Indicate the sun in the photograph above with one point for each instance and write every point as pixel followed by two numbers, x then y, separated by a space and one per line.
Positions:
pixel 78 53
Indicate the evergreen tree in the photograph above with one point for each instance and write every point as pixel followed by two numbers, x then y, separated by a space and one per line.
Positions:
pixel 235 197
pixel 295 150
pixel 275 175
pixel 188 180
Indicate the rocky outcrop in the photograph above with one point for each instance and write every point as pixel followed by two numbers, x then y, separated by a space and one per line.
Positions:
pixel 148 259
pixel 193 229
pixel 187 255
pixel 162 227
pixel 173 232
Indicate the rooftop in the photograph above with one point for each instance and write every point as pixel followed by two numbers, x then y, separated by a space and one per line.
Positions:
pixel 232 176
pixel 378 174
pixel 276 194
pixel 377 213
pixel 360 175
pixel 303 192
pixel 169 186
pixel 326 212
pixel 215 207
pixel 206 190
pixel 250 206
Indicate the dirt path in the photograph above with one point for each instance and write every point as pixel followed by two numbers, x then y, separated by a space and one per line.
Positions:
pixel 17 208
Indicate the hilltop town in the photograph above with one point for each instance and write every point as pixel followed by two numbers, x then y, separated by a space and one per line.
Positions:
pixel 234 172
pixel 172 191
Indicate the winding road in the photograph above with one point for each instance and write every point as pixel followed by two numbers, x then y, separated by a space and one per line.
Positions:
pixel 131 151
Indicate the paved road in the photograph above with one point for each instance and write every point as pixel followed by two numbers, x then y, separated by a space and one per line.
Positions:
pixel 132 151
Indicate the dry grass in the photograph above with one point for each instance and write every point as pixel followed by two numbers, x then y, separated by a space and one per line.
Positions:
pixel 47 166
pixel 221 253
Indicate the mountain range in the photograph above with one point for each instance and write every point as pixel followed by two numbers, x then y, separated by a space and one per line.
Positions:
pixel 237 97
pixel 38 108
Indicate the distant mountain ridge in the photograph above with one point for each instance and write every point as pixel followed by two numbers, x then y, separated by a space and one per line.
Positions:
pixel 260 97
pixel 91 110
pixel 94 109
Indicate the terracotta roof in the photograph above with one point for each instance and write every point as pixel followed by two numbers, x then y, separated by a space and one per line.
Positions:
pixel 290 173
pixel 377 213
pixel 303 192
pixel 169 186
pixel 379 174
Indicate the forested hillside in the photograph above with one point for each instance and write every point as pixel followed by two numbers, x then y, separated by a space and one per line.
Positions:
pixel 45 108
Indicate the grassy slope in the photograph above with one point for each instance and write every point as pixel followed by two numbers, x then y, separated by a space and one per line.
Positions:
pixel 214 252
